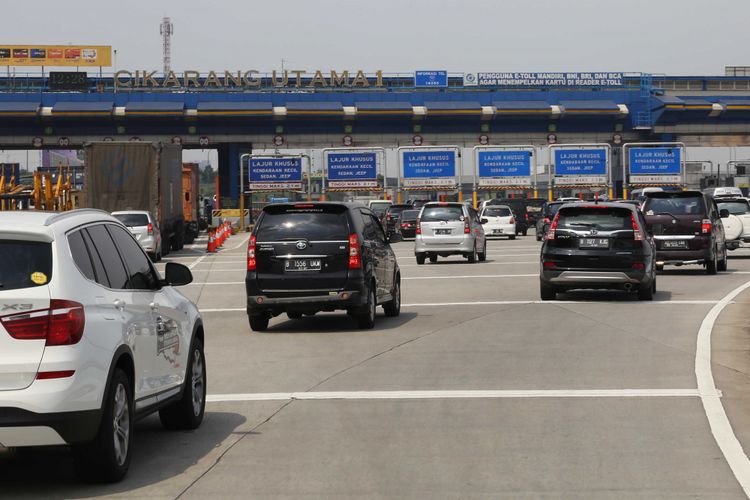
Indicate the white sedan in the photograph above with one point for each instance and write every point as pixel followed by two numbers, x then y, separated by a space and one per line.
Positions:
pixel 500 221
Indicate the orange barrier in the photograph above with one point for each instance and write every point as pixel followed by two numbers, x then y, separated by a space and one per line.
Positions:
pixel 211 248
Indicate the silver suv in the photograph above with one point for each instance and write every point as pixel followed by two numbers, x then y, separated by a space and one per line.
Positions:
pixel 449 229
pixel 146 230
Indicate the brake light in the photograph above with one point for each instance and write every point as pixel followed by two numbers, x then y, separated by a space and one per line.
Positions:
pixel 512 220
pixel 57 374
pixel 553 228
pixel 150 228
pixel 467 228
pixel 61 324
pixel 404 225
pixel 548 265
pixel 639 266
pixel 419 227
pixel 355 257
pixel 546 220
pixel 527 216
pixel 637 234
pixel 304 205
pixel 706 226
pixel 252 263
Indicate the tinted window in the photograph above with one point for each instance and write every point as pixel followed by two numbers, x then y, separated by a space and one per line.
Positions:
pixel 81 255
pixel 329 223
pixel 603 219
pixel 141 277
pixel 369 226
pixel 25 264
pixel 551 210
pixel 132 220
pixel 442 213
pixel 409 215
pixel 735 207
pixel 116 273
pixel 674 205
pixel 101 275
pixel 497 212
pixel 397 210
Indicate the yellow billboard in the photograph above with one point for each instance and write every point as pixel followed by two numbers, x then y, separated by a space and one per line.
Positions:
pixel 55 55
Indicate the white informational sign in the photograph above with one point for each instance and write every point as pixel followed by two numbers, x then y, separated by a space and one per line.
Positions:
pixel 352 184
pixel 275 186
pixel 504 181
pixel 580 180
pixel 448 183
pixel 655 179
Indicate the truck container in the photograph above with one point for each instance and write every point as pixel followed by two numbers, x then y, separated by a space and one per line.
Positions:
pixel 138 176
pixel 191 200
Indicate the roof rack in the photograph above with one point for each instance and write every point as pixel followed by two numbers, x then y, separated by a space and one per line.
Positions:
pixel 64 215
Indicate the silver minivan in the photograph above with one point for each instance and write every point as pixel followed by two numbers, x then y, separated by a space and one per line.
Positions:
pixel 145 229
pixel 445 229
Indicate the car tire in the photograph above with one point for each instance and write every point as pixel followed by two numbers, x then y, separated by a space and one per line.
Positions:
pixel 187 413
pixel 512 237
pixel 366 317
pixel 547 292
pixel 483 254
pixel 392 308
pixel 473 255
pixel 104 459
pixel 538 237
pixel 420 258
pixel 433 258
pixel 723 264
pixel 524 232
pixel 712 265
pixel 259 323
pixel 646 292
pixel 294 315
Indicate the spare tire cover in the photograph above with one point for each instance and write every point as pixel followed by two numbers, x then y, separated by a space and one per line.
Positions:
pixel 732 227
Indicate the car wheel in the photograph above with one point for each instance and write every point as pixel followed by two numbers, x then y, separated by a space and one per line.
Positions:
pixel 107 457
pixel 366 318
pixel 712 265
pixel 259 323
pixel 433 258
pixel 393 308
pixel 538 237
pixel 525 231
pixel 187 413
pixel 659 267
pixel 512 237
pixel 722 265
pixel 547 292
pixel 473 254
pixel 294 315
pixel 420 258
pixel 483 255
pixel 158 257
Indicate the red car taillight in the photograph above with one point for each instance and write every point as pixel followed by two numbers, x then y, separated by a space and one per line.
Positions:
pixel 355 257
pixel 404 225
pixel 150 228
pixel 637 234
pixel 638 266
pixel 61 324
pixel 512 220
pixel 548 265
pixel 252 264
pixel 552 228
pixel 419 227
pixel 706 226
pixel 527 216
pixel 467 228
pixel 546 220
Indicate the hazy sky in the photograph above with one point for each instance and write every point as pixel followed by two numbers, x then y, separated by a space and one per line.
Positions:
pixel 659 36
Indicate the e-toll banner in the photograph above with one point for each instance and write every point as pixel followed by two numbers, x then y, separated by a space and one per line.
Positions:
pixel 55 55
pixel 655 165
pixel 504 168
pixel 549 79
pixel 271 174
pixel 352 170
pixel 429 168
pixel 580 166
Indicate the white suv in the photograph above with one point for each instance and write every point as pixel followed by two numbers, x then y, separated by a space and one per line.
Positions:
pixel 92 339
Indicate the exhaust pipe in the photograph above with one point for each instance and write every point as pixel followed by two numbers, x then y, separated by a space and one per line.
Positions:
pixel 628 287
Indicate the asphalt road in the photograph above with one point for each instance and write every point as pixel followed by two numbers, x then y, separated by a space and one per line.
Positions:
pixel 478 390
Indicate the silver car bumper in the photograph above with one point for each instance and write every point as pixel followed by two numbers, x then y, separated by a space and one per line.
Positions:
pixel 422 245
pixel 573 277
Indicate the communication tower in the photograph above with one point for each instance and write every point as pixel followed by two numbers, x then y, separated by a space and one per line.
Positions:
pixel 166 29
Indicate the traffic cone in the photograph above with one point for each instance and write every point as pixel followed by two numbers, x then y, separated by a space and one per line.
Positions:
pixel 210 248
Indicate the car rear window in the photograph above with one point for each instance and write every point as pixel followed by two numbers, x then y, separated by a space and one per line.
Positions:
pixel 601 218
pixel 24 264
pixel 551 210
pixel 409 215
pixel 674 204
pixel 735 207
pixel 132 220
pixel 497 212
pixel 291 223
pixel 442 213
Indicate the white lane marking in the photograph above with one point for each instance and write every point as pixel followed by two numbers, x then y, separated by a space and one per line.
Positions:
pixel 522 303
pixel 535 275
pixel 426 266
pixel 489 255
pixel 197 261
pixel 243 243
pixel 721 428
pixel 204 283
pixel 466 394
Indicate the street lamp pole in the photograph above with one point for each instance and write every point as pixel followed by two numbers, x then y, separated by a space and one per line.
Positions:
pixel 242 191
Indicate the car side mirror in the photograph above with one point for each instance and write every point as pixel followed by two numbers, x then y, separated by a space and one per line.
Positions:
pixel 177 274
pixel 723 213
pixel 483 221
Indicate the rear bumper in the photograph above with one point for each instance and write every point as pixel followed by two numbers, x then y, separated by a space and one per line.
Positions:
pixel 464 246
pixel 275 303
pixel 594 279
pixel 19 427
pixel 682 257
pixel 504 230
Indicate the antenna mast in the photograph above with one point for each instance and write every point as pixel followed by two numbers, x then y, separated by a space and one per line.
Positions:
pixel 166 29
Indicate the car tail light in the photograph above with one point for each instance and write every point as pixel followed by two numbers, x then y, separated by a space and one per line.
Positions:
pixel 150 228
pixel 467 228
pixel 512 220
pixel 553 228
pixel 639 266
pixel 61 324
pixel 252 263
pixel 419 227
pixel 637 234
pixel 355 257
pixel 304 205
pixel 706 226
pixel 546 220
pixel 527 216
pixel 548 265
pixel 57 374
pixel 404 225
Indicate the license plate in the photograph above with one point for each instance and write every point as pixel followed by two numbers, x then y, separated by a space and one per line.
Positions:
pixel 302 265
pixel 442 231
pixel 680 244
pixel 497 231
pixel 594 243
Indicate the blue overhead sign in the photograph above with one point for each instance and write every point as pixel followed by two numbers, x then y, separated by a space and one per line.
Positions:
pixel 655 161
pixel 580 162
pixel 504 163
pixel 274 170
pixel 429 164
pixel 352 166
pixel 431 79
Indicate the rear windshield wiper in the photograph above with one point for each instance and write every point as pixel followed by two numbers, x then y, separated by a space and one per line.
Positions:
pixel 584 224
pixel 667 213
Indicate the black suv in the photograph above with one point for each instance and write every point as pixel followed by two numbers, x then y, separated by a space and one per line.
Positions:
pixel 519 208
pixel 543 221
pixel 303 258
pixel 391 217
pixel 598 245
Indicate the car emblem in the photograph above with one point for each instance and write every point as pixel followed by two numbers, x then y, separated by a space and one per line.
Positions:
pixel 442 223
pixel 594 232
pixel 301 245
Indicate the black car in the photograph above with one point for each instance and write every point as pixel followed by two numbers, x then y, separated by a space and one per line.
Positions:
pixel 303 258
pixel 520 212
pixel 391 215
pixel 534 208
pixel 598 245
pixel 545 219
pixel 406 224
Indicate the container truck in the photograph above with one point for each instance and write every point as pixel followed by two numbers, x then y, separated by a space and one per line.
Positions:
pixel 191 200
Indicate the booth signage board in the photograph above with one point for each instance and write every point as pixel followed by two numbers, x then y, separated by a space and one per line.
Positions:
pixel 654 165
pixel 433 168
pixel 580 166
pixel 430 79
pixel 275 173
pixel 356 169
pixel 504 168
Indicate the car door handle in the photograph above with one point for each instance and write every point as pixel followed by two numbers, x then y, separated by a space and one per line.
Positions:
pixel 119 304
pixel 154 307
